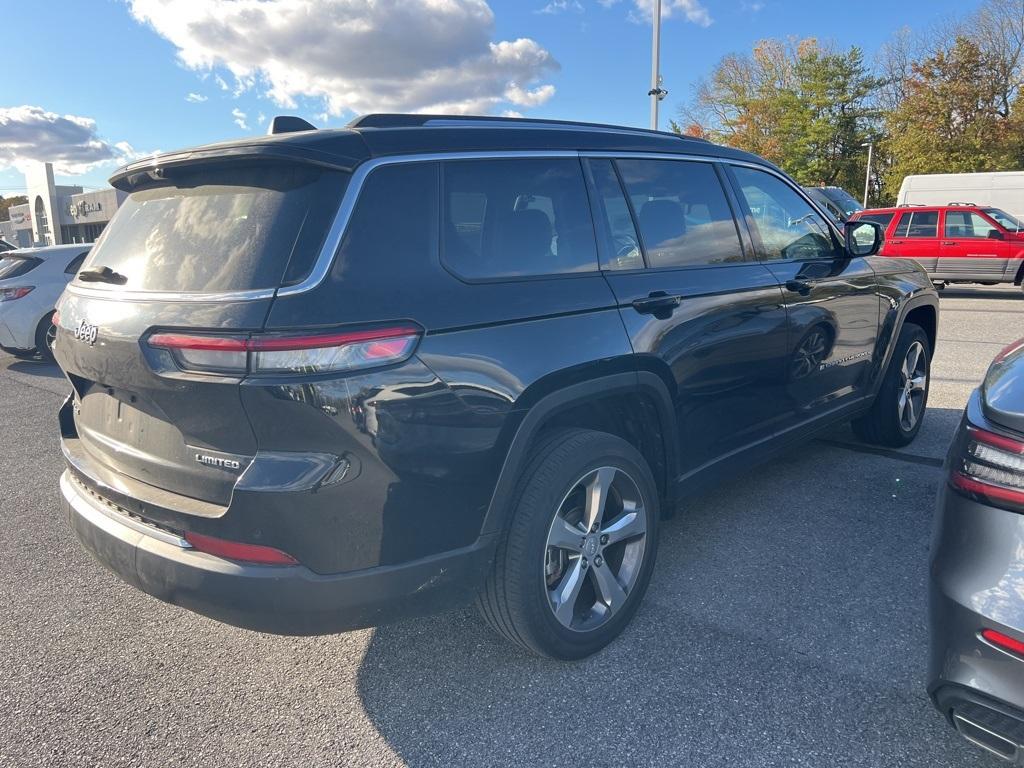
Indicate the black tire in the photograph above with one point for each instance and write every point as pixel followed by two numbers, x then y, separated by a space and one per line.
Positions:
pixel 515 599
pixel 42 333
pixel 885 424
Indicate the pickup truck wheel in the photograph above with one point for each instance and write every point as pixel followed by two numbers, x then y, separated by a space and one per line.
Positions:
pixel 578 552
pixel 898 410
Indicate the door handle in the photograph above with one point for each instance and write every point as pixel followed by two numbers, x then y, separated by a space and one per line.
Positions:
pixel 658 303
pixel 895 242
pixel 798 286
pixel 949 242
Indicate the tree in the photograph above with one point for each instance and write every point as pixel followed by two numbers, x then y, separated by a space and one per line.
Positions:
pixel 956 117
pixel 7 202
pixel 804 107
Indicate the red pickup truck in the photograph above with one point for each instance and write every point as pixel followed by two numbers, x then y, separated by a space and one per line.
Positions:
pixel 955 243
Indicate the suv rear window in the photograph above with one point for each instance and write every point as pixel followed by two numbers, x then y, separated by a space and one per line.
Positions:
pixel 918 224
pixel 516 218
pixel 16 266
pixel 882 219
pixel 221 228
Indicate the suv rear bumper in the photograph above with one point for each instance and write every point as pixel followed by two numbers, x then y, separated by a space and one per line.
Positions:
pixel 290 600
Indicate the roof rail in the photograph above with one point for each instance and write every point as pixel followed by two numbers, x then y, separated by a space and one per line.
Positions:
pixel 386 120
pixel 973 205
pixel 911 205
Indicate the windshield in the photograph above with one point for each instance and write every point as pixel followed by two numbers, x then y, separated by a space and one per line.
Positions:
pixel 1004 219
pixel 221 228
pixel 15 266
pixel 843 199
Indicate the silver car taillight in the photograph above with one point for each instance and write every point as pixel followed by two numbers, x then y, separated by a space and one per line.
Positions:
pixel 989 467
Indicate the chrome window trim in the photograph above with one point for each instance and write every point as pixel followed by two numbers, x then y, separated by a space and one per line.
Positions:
pixel 336 233
pixel 209 298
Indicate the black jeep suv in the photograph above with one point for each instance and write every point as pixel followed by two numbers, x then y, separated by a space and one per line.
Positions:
pixel 324 379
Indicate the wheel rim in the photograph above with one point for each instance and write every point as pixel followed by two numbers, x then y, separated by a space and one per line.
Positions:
pixel 51 336
pixel 913 387
pixel 595 549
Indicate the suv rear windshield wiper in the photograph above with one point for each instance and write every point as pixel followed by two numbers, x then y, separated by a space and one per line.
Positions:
pixel 102 275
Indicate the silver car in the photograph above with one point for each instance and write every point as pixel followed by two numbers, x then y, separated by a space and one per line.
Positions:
pixel 976 676
pixel 31 281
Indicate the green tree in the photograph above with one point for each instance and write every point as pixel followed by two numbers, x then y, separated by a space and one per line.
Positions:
pixel 957 116
pixel 7 202
pixel 804 107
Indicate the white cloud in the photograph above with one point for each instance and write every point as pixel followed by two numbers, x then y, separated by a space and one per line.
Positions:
pixel 355 56
pixel 561 6
pixel 261 119
pixel 219 81
pixel 195 98
pixel 31 134
pixel 643 10
pixel 240 117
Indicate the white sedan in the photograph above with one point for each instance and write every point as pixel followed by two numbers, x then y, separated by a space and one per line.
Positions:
pixel 31 281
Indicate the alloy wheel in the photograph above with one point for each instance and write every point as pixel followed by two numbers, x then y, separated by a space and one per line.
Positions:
pixel 51 336
pixel 913 386
pixel 595 549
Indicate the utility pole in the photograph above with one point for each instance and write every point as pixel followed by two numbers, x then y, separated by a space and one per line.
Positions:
pixel 657 93
pixel 867 176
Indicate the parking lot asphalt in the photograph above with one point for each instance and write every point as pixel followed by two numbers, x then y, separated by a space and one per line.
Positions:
pixel 785 625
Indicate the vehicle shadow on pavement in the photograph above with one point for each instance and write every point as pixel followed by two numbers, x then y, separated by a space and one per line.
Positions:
pixel 42 368
pixel 785 624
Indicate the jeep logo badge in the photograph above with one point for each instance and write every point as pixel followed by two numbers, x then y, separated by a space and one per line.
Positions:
pixel 86 332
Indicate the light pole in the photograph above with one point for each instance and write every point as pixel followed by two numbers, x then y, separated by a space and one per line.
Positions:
pixel 867 177
pixel 657 93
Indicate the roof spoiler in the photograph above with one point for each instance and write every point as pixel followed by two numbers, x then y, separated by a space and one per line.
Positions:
pixel 289 124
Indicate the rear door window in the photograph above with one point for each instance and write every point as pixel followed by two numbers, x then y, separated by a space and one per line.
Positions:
pixel 919 224
pixel 961 224
pixel 682 213
pixel 75 264
pixel 516 218
pixel 619 240
pixel 882 219
pixel 221 228
pixel 16 266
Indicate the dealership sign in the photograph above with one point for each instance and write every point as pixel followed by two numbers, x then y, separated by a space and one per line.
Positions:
pixel 83 208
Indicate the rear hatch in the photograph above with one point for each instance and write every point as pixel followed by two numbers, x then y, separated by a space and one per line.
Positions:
pixel 198 248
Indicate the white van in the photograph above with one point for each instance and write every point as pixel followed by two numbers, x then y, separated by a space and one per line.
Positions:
pixel 1003 190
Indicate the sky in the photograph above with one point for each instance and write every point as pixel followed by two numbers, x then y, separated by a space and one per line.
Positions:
pixel 91 85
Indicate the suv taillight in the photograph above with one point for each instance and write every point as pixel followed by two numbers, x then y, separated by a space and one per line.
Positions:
pixel 279 353
pixel 990 468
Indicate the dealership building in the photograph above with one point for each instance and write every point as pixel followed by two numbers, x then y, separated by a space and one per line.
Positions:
pixel 58 214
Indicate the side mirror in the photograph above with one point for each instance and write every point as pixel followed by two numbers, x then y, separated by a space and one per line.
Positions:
pixel 995 234
pixel 863 238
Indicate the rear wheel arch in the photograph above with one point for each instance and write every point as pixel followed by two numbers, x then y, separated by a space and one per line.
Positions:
pixel 635 406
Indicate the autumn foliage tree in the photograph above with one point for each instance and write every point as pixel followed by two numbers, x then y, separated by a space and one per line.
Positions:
pixel 802 106
pixel 944 99
pixel 956 117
